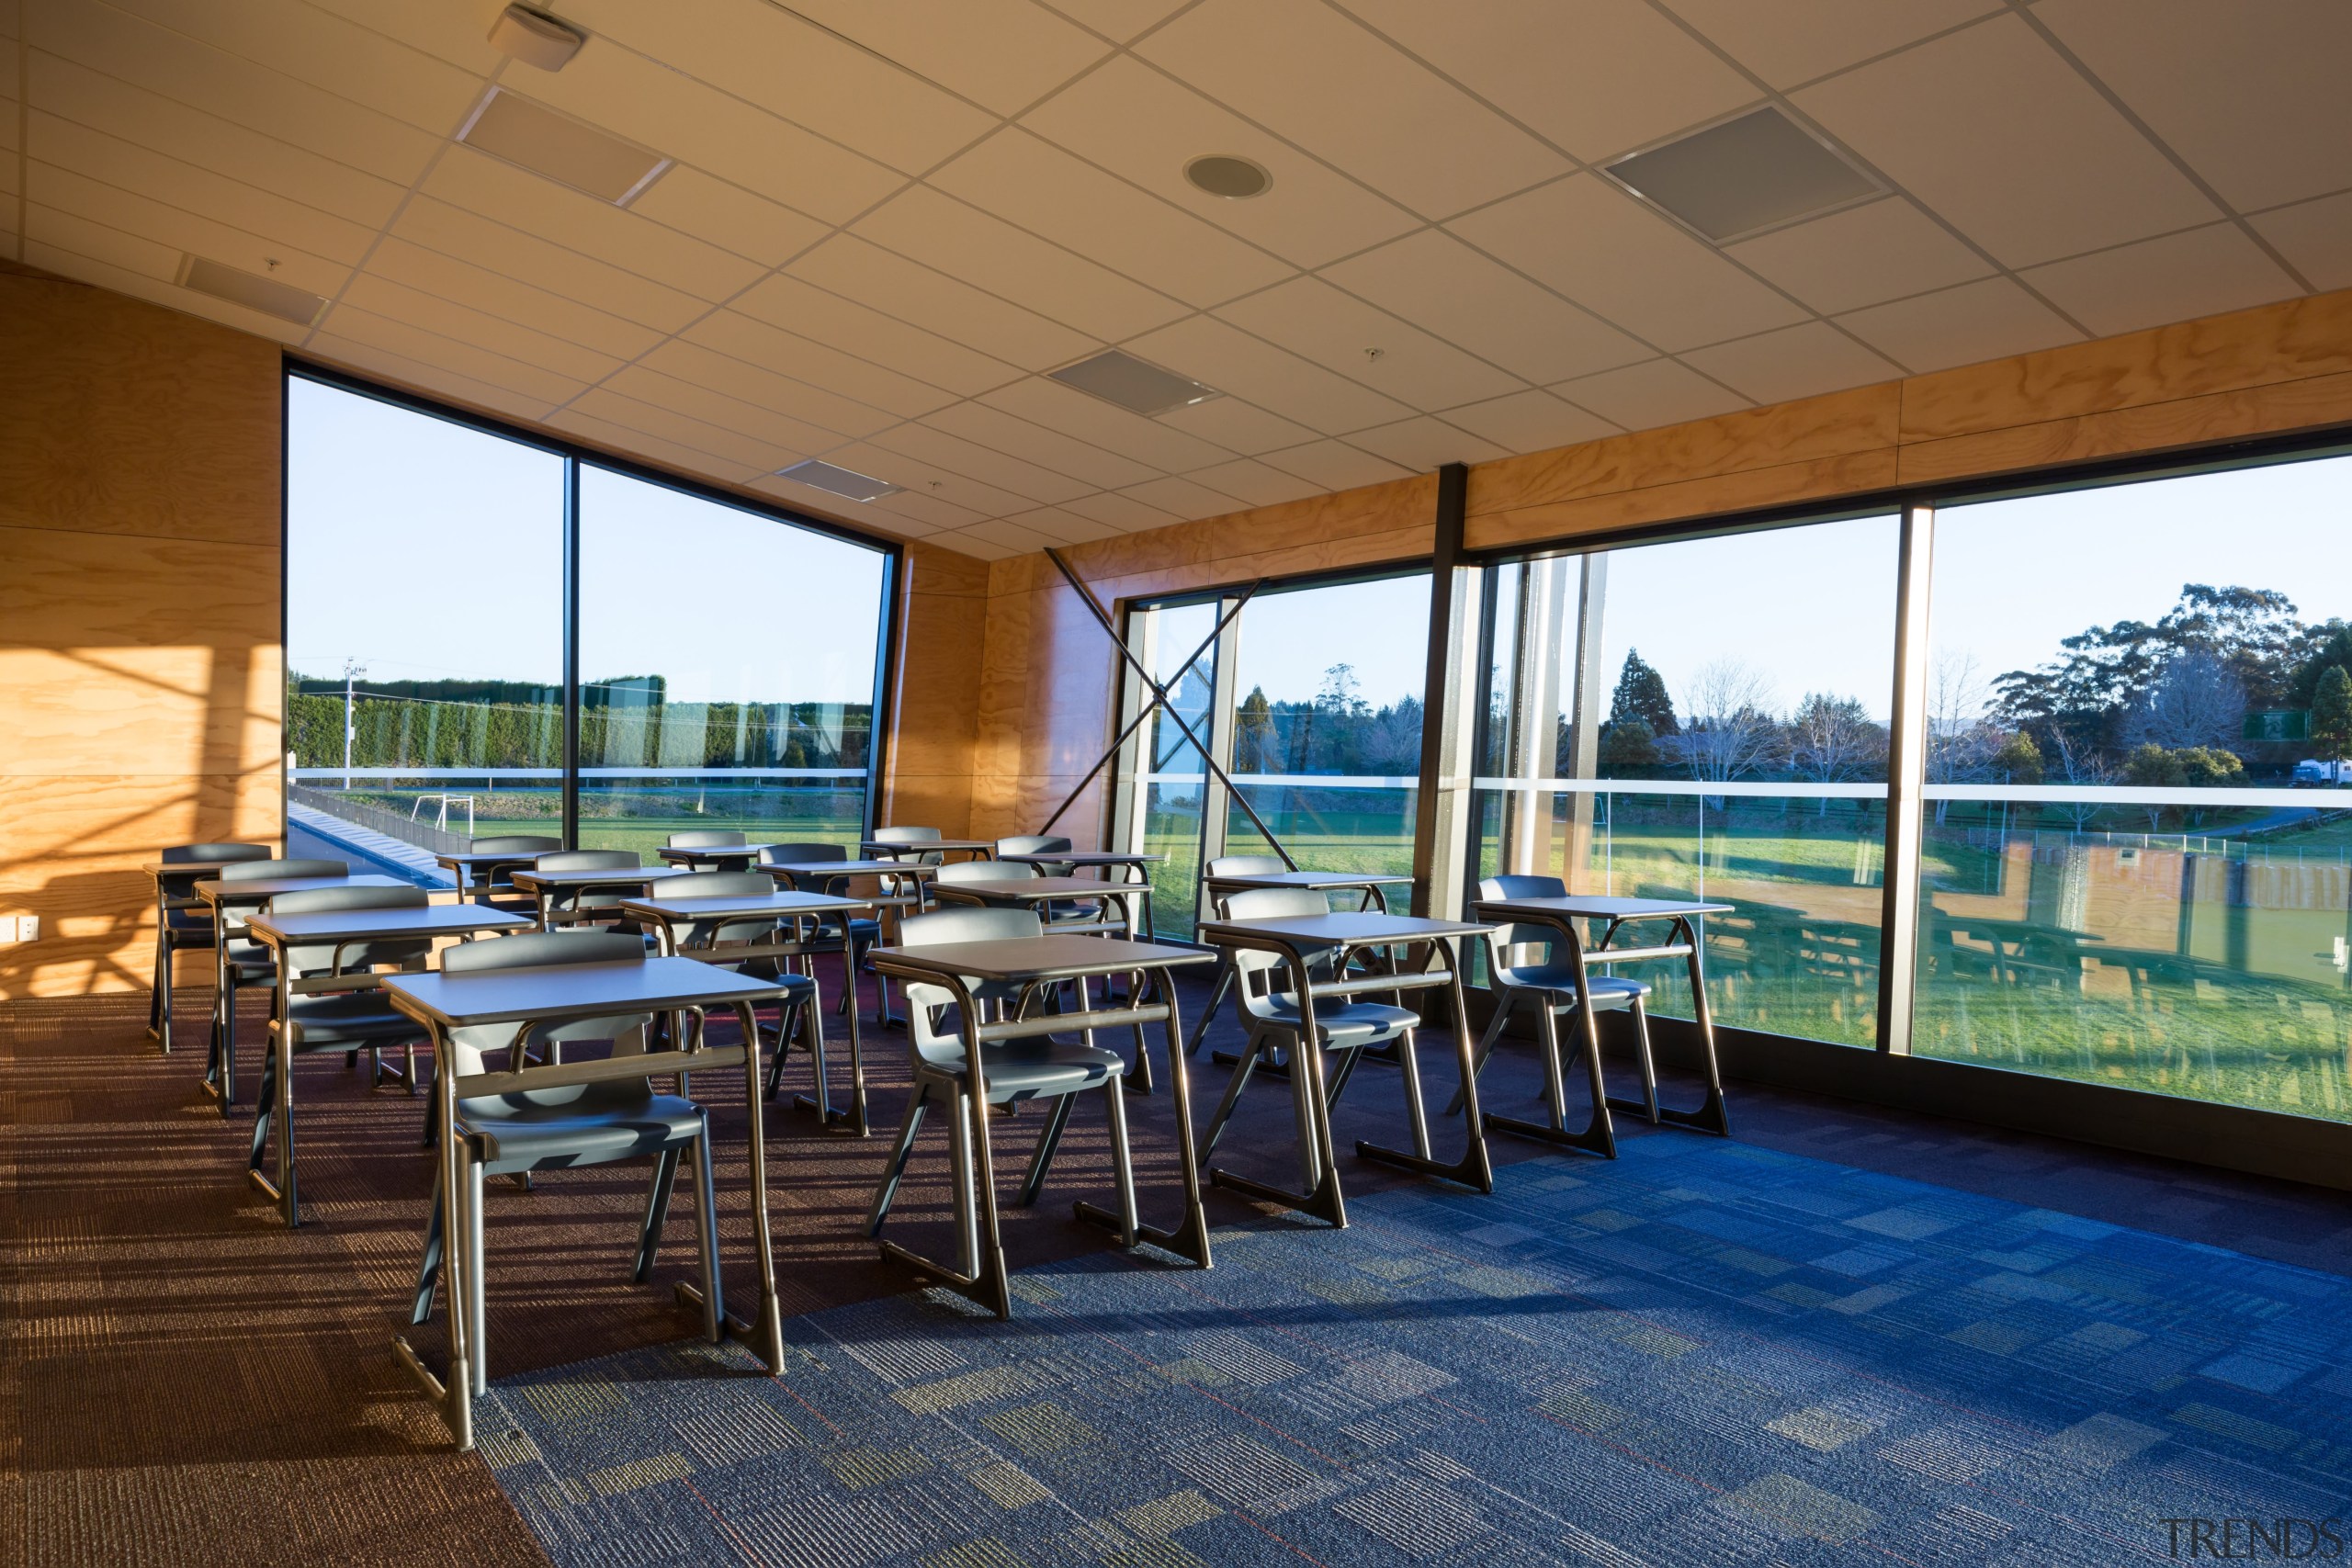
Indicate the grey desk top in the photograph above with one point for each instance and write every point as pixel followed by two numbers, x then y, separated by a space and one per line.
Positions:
pixel 1597 906
pixel 262 889
pixel 1353 928
pixel 1086 857
pixel 677 852
pixel 748 904
pixel 847 868
pixel 355 925
pixel 1039 889
pixel 615 877
pixel 1017 959
pixel 162 868
pixel 454 859
pixel 927 846
pixel 1312 881
pixel 571 990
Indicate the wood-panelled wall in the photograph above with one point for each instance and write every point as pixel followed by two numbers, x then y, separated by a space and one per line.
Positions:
pixel 140 675
pixel 1044 709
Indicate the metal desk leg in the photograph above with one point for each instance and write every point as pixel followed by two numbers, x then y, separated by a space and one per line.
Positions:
pixel 762 1335
pixel 1325 1202
pixel 1190 1240
pixel 1599 1134
pixel 1475 1168
pixel 454 1397
pixel 1712 1115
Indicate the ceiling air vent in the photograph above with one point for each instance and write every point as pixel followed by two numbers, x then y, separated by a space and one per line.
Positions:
pixel 1133 384
pixel 250 289
pixel 1761 171
pixel 559 147
pixel 843 482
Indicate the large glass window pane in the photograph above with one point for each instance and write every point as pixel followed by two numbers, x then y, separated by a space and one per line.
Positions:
pixel 727 668
pixel 424 633
pixel 1708 718
pixel 1326 722
pixel 1166 791
pixel 2132 872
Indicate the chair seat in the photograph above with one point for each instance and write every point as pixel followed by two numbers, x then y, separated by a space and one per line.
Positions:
pixel 350 1018
pixel 1070 911
pixel 797 988
pixel 1345 1026
pixel 515 1131
pixel 1560 981
pixel 1035 1068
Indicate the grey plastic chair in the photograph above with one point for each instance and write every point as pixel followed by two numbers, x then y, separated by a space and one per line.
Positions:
pixel 328 999
pixel 896 836
pixel 245 963
pixel 864 929
pixel 565 1128
pixel 1038 1068
pixel 582 906
pixel 494 889
pixel 1240 865
pixel 1548 984
pixel 1037 844
pixel 182 920
pixel 1345 1027
pixel 707 838
pixel 1077 914
pixel 767 949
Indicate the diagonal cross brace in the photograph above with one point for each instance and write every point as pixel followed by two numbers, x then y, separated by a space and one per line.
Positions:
pixel 1159 702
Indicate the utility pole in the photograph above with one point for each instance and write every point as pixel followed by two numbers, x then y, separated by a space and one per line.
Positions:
pixel 352 671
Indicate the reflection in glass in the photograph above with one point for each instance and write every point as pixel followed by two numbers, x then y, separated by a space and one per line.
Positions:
pixel 1174 783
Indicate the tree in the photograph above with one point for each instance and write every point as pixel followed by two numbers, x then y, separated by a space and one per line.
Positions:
pixel 2331 647
pixel 2018 760
pixel 1253 732
pixel 2082 769
pixel 1960 740
pixel 1640 694
pixel 1732 731
pixel 1831 739
pixel 2198 700
pixel 1628 743
pixel 2332 713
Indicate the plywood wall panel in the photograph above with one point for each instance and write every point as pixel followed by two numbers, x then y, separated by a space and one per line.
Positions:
pixel 1824 479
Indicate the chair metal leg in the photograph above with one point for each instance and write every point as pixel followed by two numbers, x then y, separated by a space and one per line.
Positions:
pixel 967 1177
pixel 713 1297
pixel 428 1263
pixel 1040 1158
pixel 1599 1136
pixel 1239 1081
pixel 1414 1109
pixel 895 1171
pixel 477 1292
pixel 1123 1164
pixel 1486 1043
pixel 657 1211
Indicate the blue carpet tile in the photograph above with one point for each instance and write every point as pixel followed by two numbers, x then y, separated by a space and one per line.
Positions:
pixel 1703 1353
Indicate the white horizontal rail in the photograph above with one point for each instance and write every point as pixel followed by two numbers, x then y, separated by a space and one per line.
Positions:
pixel 584 773
pixel 1299 780
pixel 1797 790
pixel 2034 794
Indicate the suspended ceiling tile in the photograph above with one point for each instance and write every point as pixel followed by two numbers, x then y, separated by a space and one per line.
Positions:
pixel 1338 331
pixel 160 124
pixel 454 31
pixel 307 44
pixel 953 237
pixel 2315 237
pixel 767 56
pixel 469 237
pixel 1988 320
pixel 494 293
pixel 180 230
pixel 1145 127
pixel 1319 78
pixel 921 510
pixel 1118 20
pixel 366 359
pixel 1794 362
pixel 1597 78
pixel 1791 41
pixel 738 454
pixel 1003 54
pixel 499 333
pixel 1864 255
pixel 1064 528
pixel 469 359
pixel 972 544
pixel 1256 483
pixel 775 432
pixel 1607 251
pixel 1047 448
pixel 727 216
pixel 1645 397
pixel 1236 425
pixel 818 405
pixel 1529 421
pixel 1435 281
pixel 887 282
pixel 990 467
pixel 1012 535
pixel 1184 498
pixel 1334 465
pixel 2252 96
pixel 1121 511
pixel 578 222
pixel 1231 360
pixel 70 247
pixel 772 349
pixel 726 137
pixel 157 177
pixel 866 333
pixel 627 440
pixel 2202 273
pixel 176 67
pixel 924 478
pixel 1991 129
pixel 1045 190
pixel 1425 444
pixel 1091 420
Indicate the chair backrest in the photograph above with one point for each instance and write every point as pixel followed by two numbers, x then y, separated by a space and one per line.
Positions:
pixel 1504 938
pixel 1037 844
pixel 927 1005
pixel 1256 968
pixel 719 885
pixel 544 950
pixel 907 835
pixel 707 838
pixel 516 843
pixel 795 854
pixel 271 869
pixel 1246 865
pixel 591 860
pixel 210 855
pixel 984 870
pixel 357 956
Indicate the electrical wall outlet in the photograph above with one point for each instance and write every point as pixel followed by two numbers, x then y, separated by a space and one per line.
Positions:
pixel 28 927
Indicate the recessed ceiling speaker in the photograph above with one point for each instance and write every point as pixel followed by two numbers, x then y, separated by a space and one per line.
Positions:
pixel 1227 174
pixel 847 484
pixel 1135 385
pixel 250 289
pixel 1756 171
pixel 555 146
pixel 534 37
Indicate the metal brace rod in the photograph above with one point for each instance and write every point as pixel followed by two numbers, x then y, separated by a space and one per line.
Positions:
pixel 1159 698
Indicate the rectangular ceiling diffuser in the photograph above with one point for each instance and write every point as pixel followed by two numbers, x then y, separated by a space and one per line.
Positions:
pixel 844 482
pixel 1133 384
pixel 1746 176
pixel 559 147
pixel 250 289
